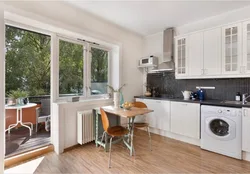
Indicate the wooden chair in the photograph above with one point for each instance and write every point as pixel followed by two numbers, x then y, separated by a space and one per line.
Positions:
pixel 115 131
pixel 143 125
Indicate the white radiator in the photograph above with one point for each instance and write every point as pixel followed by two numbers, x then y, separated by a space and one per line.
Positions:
pixel 85 127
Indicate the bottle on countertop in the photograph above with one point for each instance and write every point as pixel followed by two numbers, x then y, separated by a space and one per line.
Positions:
pixel 201 94
pixel 238 96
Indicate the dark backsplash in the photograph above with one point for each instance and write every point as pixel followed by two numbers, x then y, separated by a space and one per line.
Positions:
pixel 225 89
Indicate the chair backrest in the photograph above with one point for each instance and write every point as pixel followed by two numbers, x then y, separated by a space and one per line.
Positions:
pixel 140 105
pixel 45 107
pixel 105 120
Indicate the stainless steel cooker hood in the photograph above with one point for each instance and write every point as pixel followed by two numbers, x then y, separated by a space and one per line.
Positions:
pixel 168 45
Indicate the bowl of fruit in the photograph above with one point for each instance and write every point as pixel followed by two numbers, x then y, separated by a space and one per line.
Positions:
pixel 127 105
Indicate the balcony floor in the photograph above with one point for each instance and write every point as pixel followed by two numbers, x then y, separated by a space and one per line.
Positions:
pixel 19 141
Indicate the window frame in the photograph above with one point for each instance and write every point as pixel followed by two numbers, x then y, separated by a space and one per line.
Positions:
pixel 89 95
pixel 84 45
pixel 87 56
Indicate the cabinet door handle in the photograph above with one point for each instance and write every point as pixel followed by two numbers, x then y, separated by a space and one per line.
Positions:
pixel 241 69
pixel 158 101
pixel 206 70
pixel 202 71
pixel 245 112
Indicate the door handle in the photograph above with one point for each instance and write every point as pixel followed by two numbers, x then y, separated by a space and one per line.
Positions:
pixel 245 112
pixel 206 70
pixel 202 71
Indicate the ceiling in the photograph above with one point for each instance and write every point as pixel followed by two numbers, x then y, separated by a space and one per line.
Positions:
pixel 149 17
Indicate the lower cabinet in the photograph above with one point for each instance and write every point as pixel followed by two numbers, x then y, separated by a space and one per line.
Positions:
pixel 185 119
pixel 160 118
pixel 245 129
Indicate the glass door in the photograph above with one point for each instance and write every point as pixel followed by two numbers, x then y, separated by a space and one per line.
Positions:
pixel 181 56
pixel 246 47
pixel 231 49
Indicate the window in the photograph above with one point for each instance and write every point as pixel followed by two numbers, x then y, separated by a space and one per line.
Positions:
pixel 71 66
pixel 27 61
pixel 83 69
pixel 99 71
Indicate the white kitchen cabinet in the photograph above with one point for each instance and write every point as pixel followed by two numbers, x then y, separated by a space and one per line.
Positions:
pixel 212 52
pixel 231 49
pixel 246 129
pixel 245 68
pixel 185 119
pixel 195 54
pixel 160 118
pixel 181 56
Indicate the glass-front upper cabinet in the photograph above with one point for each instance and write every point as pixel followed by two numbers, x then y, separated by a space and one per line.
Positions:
pixel 246 47
pixel 181 56
pixel 231 49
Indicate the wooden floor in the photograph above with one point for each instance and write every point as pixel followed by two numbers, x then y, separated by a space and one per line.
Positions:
pixel 19 141
pixel 168 156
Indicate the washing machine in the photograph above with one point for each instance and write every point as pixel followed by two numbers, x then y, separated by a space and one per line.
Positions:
pixel 221 130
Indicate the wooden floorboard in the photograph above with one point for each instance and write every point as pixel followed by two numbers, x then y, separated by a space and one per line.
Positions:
pixel 167 156
pixel 19 141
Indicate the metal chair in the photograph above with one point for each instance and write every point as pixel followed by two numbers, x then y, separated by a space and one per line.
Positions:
pixel 115 131
pixel 43 112
pixel 143 124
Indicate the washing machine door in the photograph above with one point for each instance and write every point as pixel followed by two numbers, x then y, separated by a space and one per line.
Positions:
pixel 220 128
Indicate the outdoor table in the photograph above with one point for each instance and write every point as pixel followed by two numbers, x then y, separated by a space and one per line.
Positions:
pixel 19 119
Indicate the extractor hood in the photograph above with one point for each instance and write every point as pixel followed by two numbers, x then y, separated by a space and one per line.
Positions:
pixel 168 44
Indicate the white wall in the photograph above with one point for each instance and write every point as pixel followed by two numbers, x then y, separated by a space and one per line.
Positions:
pixel 2 90
pixel 63 15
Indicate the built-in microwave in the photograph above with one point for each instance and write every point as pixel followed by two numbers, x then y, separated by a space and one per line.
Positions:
pixel 148 61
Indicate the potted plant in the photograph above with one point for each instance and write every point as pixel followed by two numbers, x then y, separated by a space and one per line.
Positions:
pixel 116 95
pixel 17 96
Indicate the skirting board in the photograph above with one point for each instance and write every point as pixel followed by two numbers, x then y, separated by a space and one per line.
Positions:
pixel 176 136
pixel 245 155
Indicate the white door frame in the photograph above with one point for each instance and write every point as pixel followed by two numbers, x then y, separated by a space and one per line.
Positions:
pixel 2 87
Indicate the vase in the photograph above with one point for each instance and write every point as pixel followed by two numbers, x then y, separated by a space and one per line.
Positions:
pixel 19 101
pixel 116 96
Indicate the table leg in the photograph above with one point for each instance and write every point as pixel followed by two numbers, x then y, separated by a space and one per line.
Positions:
pixel 14 125
pixel 132 150
pixel 21 118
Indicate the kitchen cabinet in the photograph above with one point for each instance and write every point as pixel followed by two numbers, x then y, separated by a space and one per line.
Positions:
pixel 181 56
pixel 160 118
pixel 212 52
pixel 245 69
pixel 246 129
pixel 231 49
pixel 195 54
pixel 185 119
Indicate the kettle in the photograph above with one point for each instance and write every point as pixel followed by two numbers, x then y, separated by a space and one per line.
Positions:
pixel 186 94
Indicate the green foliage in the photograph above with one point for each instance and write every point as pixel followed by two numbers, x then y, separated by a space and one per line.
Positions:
pixel 99 65
pixel 28 64
pixel 115 90
pixel 15 94
pixel 27 60
pixel 71 68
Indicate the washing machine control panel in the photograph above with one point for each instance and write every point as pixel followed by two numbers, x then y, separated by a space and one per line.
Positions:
pixel 229 112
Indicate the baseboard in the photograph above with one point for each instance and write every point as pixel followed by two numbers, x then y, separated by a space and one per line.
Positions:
pixel 176 136
pixel 246 156
pixel 19 159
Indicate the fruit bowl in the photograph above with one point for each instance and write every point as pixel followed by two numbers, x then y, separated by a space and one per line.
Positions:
pixel 127 105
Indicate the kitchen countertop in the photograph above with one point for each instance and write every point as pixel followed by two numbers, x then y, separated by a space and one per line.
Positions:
pixel 204 102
